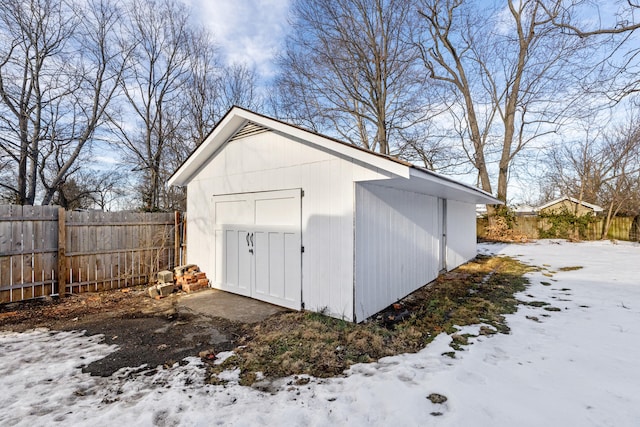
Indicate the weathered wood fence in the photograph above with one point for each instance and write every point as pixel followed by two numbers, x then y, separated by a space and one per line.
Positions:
pixel 622 228
pixel 47 251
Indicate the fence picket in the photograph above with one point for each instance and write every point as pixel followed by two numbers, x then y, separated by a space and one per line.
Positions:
pixel 621 228
pixel 102 250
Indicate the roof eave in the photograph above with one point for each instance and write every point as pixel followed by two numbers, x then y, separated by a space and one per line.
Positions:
pixel 237 117
pixel 225 129
pixel 479 196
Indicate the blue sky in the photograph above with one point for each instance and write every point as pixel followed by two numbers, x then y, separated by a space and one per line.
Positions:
pixel 247 31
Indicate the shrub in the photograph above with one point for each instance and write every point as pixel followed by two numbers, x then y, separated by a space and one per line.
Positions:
pixel 565 225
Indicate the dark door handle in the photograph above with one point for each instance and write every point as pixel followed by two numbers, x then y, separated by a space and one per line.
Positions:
pixel 251 239
pixel 247 239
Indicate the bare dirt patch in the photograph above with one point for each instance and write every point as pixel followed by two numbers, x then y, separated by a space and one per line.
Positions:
pixel 148 332
pixel 155 333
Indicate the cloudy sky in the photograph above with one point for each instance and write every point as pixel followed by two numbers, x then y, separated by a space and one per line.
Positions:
pixel 247 31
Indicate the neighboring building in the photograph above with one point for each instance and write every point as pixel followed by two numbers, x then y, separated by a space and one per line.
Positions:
pixel 571 205
pixel 301 220
pixel 525 210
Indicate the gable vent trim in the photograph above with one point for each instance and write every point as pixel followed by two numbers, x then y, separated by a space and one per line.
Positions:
pixel 249 129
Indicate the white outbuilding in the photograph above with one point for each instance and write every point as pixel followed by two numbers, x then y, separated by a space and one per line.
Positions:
pixel 284 215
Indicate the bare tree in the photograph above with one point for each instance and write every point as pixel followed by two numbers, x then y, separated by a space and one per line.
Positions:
pixel 108 187
pixel 55 84
pixel 159 36
pixel 202 91
pixel 603 168
pixel 211 90
pixel 350 69
pixel 617 75
pixel 509 70
pixel 239 87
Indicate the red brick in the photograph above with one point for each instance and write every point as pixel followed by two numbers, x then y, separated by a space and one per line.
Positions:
pixel 192 287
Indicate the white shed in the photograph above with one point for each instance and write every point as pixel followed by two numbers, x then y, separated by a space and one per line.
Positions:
pixel 301 220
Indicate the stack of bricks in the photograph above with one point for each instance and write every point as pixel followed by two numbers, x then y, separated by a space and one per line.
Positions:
pixel 190 278
pixel 164 287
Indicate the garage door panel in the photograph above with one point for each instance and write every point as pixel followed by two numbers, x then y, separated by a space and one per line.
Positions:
pixel 292 267
pixel 245 263
pixel 232 260
pixel 233 211
pixel 276 265
pixel 218 236
pixel 272 271
pixel 242 274
pixel 261 263
pixel 277 211
pixel 233 267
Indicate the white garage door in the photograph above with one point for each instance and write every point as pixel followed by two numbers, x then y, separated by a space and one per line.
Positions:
pixel 258 246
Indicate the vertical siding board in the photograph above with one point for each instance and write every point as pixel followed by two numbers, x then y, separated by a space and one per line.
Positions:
pixel 461 240
pixel 394 237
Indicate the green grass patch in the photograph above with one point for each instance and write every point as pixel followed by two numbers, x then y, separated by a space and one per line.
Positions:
pixel 481 291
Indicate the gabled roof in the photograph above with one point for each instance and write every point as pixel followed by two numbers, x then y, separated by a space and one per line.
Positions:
pixel 524 209
pixel 595 208
pixel 405 174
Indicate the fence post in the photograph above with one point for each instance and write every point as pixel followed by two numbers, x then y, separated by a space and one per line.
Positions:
pixel 176 239
pixel 62 262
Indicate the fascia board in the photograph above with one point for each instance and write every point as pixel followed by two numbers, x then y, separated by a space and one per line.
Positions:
pixel 479 196
pixel 212 143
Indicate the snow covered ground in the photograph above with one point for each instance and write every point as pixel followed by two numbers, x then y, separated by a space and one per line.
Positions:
pixel 575 367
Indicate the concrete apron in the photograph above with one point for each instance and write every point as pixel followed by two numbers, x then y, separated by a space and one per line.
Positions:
pixel 217 303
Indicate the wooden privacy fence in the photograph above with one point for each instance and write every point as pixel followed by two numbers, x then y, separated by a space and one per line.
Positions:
pixel 622 228
pixel 44 250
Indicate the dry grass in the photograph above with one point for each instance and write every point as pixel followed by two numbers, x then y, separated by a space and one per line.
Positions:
pixel 498 230
pixel 311 343
pixel 571 268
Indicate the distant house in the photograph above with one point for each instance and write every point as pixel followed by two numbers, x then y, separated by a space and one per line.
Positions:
pixel 525 210
pixel 572 205
pixel 522 210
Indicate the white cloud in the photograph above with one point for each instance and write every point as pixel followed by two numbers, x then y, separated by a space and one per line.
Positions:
pixel 248 31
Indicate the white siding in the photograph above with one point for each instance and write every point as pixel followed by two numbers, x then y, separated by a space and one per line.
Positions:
pixel 270 161
pixel 397 245
pixel 461 233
